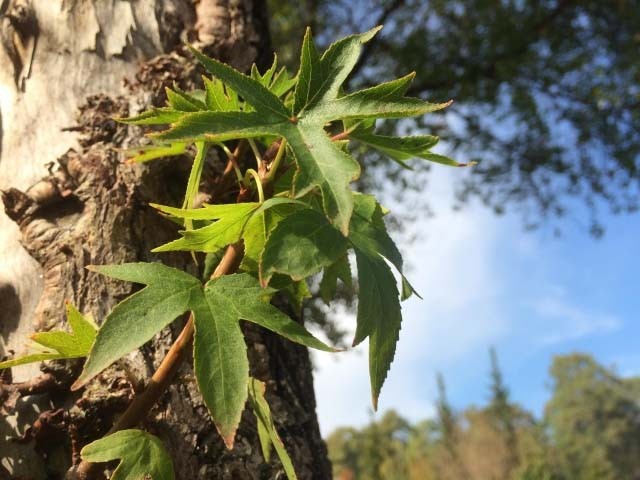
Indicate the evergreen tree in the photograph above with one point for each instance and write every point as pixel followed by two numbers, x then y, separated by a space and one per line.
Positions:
pixel 502 412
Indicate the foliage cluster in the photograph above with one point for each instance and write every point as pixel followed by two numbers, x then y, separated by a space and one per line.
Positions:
pixel 590 430
pixel 546 94
pixel 296 216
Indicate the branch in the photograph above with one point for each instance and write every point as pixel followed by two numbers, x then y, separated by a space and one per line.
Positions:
pixel 369 46
pixel 490 69
pixel 45 383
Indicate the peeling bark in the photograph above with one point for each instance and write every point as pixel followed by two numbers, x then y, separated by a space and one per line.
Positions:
pixel 71 202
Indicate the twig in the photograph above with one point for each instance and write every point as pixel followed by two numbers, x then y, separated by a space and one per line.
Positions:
pixel 45 383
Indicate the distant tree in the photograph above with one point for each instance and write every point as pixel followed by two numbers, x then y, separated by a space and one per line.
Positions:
pixel 594 420
pixel 502 414
pixel 420 450
pixel 591 430
pixel 546 92
pixel 376 452
pixel 448 462
pixel 344 453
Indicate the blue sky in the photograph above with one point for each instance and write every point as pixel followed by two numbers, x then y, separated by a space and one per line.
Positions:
pixel 486 281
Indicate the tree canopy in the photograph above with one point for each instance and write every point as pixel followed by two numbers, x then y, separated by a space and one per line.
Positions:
pixel 590 430
pixel 545 93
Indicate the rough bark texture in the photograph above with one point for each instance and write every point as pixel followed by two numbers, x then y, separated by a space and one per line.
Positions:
pixel 70 202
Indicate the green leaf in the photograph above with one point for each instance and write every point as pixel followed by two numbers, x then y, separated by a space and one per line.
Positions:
pixel 379 317
pixel 142 456
pixel 340 269
pixel 220 360
pixel 225 231
pixel 321 163
pixel 247 300
pixel 301 245
pixel 266 428
pixel 59 345
pixel 182 101
pixel 254 93
pixel 145 153
pixel 135 320
pixel 154 116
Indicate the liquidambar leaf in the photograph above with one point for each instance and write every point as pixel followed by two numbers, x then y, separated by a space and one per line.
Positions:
pixel 266 428
pixel 379 313
pixel 321 163
pixel 305 242
pixel 135 320
pixel 300 246
pixel 231 220
pixel 59 345
pixel 220 360
pixel 229 227
pixel 340 269
pixel 142 456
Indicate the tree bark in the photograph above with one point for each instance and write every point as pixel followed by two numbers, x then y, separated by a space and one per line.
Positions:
pixel 66 68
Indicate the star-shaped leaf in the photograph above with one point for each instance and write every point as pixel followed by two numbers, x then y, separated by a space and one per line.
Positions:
pixel 304 243
pixel 135 320
pixel 321 163
pixel 59 345
pixel 142 456
pixel 231 220
pixel 220 360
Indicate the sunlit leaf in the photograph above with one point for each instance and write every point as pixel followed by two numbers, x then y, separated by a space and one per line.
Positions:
pixel 142 456
pixel 267 432
pixel 57 345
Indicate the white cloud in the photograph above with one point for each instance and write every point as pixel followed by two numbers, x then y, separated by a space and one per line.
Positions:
pixel 567 322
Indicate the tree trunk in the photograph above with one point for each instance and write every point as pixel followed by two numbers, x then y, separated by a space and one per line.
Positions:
pixel 67 67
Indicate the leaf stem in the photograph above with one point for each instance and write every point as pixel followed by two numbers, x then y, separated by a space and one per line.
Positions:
pixel 233 160
pixel 256 177
pixel 256 152
pixel 276 161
